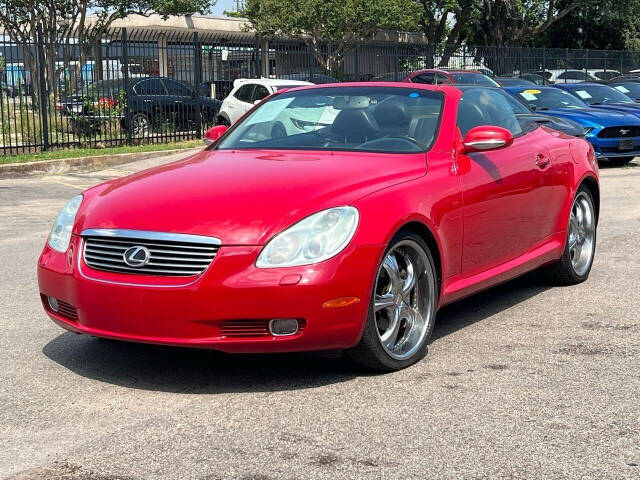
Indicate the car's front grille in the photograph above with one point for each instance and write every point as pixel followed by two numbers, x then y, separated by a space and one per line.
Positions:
pixel 619 132
pixel 148 253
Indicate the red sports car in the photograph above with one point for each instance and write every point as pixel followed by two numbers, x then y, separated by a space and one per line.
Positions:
pixel 329 217
pixel 443 77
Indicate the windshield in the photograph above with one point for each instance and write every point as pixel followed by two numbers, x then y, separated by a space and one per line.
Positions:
pixel 600 94
pixel 608 75
pixel 376 119
pixel 630 89
pixel 473 79
pixel 108 88
pixel 546 98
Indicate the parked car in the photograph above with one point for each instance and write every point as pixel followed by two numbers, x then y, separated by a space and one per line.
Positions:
pixel 151 100
pixel 627 76
pixel 348 232
pixel 526 116
pixel 566 76
pixel 438 77
pixel 615 136
pixel 391 76
pixel 535 78
pixel 248 92
pixel 602 74
pixel 513 82
pixel 315 78
pixel 630 88
pixel 604 97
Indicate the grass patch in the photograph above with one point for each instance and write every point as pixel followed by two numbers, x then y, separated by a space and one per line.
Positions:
pixel 89 152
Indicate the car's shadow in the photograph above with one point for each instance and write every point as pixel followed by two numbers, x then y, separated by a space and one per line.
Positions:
pixel 183 370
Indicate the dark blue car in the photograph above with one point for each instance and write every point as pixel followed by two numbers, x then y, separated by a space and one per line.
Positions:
pixel 603 96
pixel 615 135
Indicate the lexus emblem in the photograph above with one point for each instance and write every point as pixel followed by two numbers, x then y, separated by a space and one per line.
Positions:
pixel 137 256
pixel 623 131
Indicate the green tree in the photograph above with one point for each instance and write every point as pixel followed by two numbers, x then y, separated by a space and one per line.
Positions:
pixel 516 22
pixel 602 25
pixel 339 21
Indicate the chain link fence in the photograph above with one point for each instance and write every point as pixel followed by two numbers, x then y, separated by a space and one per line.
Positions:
pixel 149 86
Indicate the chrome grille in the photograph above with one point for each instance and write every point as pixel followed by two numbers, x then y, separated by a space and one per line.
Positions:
pixel 168 254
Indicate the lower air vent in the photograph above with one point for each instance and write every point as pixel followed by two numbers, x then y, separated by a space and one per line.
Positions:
pixel 63 309
pixel 249 328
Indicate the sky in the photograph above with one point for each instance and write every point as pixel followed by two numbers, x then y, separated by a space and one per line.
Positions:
pixel 222 5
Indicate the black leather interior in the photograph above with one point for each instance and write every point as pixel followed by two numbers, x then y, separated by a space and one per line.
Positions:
pixel 356 126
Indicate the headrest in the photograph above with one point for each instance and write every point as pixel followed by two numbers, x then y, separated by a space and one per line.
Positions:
pixel 392 114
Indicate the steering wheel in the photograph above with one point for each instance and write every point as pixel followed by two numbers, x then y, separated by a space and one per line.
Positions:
pixel 413 142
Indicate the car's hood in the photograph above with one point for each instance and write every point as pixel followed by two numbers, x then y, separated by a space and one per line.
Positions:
pixel 632 108
pixel 241 197
pixel 597 116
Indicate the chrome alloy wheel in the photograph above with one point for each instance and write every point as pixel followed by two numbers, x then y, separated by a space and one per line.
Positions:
pixel 582 233
pixel 140 125
pixel 404 299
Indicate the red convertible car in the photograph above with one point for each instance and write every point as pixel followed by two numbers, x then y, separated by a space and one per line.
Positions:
pixel 335 217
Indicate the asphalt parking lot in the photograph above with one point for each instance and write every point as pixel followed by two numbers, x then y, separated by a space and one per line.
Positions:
pixel 522 381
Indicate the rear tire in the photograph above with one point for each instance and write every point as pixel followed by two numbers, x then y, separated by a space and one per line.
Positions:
pixel 402 308
pixel 223 121
pixel 579 251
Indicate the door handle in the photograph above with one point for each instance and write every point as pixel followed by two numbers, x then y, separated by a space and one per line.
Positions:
pixel 542 160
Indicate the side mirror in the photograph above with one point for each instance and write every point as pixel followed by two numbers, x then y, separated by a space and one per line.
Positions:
pixel 214 133
pixel 486 137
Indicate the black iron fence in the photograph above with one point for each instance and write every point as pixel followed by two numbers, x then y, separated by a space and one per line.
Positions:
pixel 150 86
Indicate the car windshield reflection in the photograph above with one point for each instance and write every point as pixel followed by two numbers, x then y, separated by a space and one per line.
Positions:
pixel 376 119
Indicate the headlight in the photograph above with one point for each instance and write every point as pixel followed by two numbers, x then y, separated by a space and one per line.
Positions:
pixel 312 240
pixel 61 231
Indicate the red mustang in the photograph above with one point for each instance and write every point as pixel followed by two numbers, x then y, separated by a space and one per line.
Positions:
pixel 329 217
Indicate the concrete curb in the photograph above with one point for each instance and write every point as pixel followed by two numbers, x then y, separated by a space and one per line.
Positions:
pixel 63 165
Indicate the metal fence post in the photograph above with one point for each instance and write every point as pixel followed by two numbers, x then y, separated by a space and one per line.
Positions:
pixel 43 94
pixel 396 62
pixel 566 60
pixel 357 61
pixel 125 85
pixel 197 79
pixel 544 61
pixel 586 61
pixel 311 60
pixel 621 61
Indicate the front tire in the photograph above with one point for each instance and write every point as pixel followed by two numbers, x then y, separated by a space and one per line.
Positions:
pixel 140 125
pixel 576 261
pixel 402 308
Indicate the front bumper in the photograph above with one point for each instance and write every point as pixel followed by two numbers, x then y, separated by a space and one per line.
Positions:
pixel 197 311
pixel 609 147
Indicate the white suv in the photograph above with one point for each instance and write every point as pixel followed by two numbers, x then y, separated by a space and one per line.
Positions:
pixel 247 92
